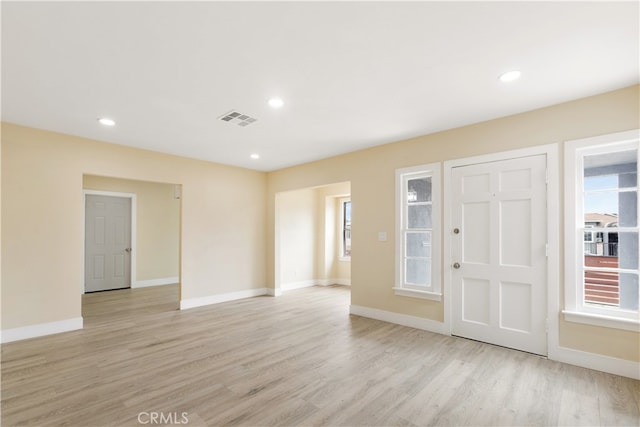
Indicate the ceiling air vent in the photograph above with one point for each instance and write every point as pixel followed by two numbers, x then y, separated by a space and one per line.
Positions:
pixel 237 118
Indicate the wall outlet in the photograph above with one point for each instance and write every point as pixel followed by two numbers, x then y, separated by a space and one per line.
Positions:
pixel 382 236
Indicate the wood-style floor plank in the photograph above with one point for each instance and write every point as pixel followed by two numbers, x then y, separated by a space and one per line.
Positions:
pixel 296 360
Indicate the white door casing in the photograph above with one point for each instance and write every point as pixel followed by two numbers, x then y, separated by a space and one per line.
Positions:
pixel 498 253
pixel 107 242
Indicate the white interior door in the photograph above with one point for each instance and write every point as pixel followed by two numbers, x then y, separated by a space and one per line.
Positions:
pixel 498 243
pixel 107 243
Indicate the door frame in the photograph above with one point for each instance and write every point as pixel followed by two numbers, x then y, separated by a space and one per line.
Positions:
pixel 133 197
pixel 553 233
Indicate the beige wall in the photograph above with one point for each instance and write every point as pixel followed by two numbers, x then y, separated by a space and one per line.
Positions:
pixel 224 246
pixel 157 221
pixel 371 173
pixel 298 219
pixel 223 220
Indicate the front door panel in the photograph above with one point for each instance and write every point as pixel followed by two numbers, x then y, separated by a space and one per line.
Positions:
pixel 499 279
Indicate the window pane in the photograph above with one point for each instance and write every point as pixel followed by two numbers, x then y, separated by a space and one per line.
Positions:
pixel 419 216
pixel 602 244
pixel 629 291
pixel 611 164
pixel 616 250
pixel 612 250
pixel 346 228
pixel 346 243
pixel 611 209
pixel 601 288
pixel 601 182
pixel 628 215
pixel 628 179
pixel 604 203
pixel 419 245
pixel 615 172
pixel 347 213
pixel 419 190
pixel 627 250
pixel 418 272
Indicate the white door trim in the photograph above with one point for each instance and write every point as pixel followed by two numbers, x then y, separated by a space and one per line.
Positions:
pixel 134 199
pixel 553 233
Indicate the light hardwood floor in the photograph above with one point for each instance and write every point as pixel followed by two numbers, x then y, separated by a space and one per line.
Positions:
pixel 299 359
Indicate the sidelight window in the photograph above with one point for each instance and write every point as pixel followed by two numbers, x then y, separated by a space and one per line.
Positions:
pixel 418 232
pixel 602 230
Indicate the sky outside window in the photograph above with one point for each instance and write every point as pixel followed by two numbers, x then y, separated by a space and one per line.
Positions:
pixel 598 201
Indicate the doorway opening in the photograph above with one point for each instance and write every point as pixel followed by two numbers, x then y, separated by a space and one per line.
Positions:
pixel 132 248
pixel 313 237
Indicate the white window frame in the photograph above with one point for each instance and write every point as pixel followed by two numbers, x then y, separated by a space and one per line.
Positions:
pixel 433 292
pixel 342 202
pixel 575 310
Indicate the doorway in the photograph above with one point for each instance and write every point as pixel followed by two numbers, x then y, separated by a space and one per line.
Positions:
pixel 153 250
pixel 313 237
pixel 498 241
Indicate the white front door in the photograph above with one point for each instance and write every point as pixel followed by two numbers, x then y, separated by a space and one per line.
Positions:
pixel 498 253
pixel 107 243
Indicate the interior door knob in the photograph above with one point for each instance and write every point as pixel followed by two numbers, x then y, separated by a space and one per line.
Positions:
pixel 456 230
pixel 456 265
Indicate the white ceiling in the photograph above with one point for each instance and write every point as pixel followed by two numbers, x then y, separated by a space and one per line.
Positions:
pixel 352 74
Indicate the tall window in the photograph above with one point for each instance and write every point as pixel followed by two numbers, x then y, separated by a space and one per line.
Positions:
pixel 418 232
pixel 345 208
pixel 602 223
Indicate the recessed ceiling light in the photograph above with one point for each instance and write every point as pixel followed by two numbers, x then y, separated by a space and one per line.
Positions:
pixel 255 156
pixel 510 76
pixel 276 102
pixel 107 122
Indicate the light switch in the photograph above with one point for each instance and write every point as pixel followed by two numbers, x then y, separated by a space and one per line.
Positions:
pixel 382 236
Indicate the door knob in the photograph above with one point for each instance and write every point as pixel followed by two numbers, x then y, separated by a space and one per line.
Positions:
pixel 456 265
pixel 127 249
pixel 456 230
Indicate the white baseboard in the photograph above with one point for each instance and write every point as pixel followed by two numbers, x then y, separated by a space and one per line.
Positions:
pixel 155 282
pixel 215 299
pixel 298 285
pixel 400 319
pixel 274 292
pixel 41 329
pixel 329 282
pixel 598 362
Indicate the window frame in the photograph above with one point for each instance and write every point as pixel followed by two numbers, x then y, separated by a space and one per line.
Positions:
pixel 575 309
pixel 342 256
pixel 403 175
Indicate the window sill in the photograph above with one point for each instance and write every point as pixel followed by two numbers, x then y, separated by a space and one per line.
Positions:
pixel 601 320
pixel 413 293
